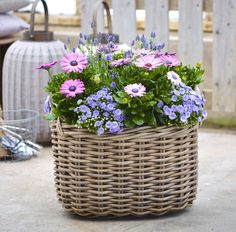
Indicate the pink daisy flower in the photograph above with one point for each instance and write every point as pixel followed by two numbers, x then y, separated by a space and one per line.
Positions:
pixel 46 66
pixel 119 62
pixel 74 62
pixel 148 62
pixel 135 90
pixel 71 88
pixel 169 60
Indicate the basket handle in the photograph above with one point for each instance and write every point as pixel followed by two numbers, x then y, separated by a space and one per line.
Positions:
pixel 59 128
pixel 32 17
pixel 95 10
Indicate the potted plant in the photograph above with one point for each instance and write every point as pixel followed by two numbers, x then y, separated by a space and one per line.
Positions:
pixel 124 128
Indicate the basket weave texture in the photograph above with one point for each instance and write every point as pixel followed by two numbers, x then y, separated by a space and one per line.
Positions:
pixel 137 172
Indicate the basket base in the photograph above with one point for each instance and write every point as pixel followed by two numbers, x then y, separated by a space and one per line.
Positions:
pixel 110 214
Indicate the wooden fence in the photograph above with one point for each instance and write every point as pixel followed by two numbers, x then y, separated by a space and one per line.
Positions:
pixel 222 93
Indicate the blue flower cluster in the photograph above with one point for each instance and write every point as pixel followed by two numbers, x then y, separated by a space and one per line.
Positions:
pixel 99 114
pixel 186 106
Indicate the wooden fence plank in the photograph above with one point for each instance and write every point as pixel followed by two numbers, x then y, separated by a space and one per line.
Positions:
pixel 190 47
pixel 124 19
pixel 87 7
pixel 86 15
pixel 224 56
pixel 157 19
pixel 173 4
pixel 100 19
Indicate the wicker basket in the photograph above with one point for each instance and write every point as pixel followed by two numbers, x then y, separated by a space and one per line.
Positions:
pixel 137 172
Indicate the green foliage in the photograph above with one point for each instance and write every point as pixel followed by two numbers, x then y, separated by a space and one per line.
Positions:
pixel 141 110
pixel 191 76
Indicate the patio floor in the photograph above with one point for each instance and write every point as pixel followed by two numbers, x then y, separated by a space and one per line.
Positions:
pixel 28 201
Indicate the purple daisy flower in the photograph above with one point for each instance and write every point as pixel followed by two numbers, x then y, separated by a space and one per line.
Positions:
pixel 120 62
pixel 46 66
pixel 148 62
pixel 71 88
pixel 135 90
pixel 74 62
pixel 169 60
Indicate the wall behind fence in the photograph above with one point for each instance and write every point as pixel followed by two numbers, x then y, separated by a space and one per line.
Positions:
pixel 222 92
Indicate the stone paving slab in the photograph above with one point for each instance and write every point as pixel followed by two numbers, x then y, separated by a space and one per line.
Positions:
pixel 28 201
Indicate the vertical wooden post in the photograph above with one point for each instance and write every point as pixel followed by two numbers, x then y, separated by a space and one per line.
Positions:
pixel 100 19
pixel 190 48
pixel 224 56
pixel 157 19
pixel 86 15
pixel 124 19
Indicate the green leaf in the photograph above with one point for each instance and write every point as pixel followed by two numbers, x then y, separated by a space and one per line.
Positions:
pixel 50 116
pixel 151 120
pixel 121 94
pixel 129 124
pixel 138 120
pixel 151 103
pixel 120 100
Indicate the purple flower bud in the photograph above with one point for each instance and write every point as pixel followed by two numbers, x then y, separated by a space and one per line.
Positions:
pixel 174 108
pixel 153 34
pixel 95 113
pixel 143 39
pixel 113 85
pixel 172 116
pixel 166 110
pixel 98 123
pixel 100 131
pixel 185 97
pixel 113 75
pixel 108 124
pixel 47 105
pixel 180 109
pixel 183 118
pixel 106 114
pixel 92 24
pixel 174 98
pixel 160 104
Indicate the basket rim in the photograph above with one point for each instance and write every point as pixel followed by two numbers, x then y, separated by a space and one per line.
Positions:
pixel 65 129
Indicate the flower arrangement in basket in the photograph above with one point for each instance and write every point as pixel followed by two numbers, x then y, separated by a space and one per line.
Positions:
pixel 126 141
pixel 105 89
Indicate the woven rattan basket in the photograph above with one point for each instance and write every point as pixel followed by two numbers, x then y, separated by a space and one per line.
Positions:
pixel 137 172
